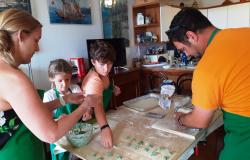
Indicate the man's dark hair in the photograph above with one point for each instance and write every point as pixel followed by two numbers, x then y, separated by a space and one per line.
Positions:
pixel 188 19
pixel 102 52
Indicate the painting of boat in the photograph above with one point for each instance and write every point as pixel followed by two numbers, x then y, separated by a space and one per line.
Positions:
pixel 20 4
pixel 70 11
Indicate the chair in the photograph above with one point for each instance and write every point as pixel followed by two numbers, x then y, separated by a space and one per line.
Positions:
pixel 184 83
pixel 155 80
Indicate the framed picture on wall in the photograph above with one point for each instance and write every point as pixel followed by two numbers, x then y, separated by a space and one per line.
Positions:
pixel 20 4
pixel 70 11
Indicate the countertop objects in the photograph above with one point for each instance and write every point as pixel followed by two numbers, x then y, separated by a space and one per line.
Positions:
pixel 135 139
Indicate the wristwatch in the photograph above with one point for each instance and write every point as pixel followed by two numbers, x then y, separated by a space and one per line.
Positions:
pixel 104 126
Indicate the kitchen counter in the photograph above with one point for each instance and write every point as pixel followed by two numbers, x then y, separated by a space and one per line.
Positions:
pixel 172 71
pixel 127 125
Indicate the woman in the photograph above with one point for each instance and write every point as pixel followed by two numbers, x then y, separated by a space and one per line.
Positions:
pixel 20 105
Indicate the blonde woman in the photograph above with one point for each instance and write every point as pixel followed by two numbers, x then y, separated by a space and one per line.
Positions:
pixel 23 116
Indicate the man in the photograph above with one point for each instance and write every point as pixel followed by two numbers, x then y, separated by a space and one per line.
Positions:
pixel 221 78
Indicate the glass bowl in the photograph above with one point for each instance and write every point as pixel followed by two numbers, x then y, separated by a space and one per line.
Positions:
pixel 80 134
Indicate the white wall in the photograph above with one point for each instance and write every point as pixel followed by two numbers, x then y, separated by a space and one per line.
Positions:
pixel 61 40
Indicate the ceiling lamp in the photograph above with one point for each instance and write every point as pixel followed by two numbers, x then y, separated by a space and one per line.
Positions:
pixel 109 3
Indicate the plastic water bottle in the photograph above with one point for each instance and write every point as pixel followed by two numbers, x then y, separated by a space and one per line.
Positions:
pixel 184 59
pixel 167 91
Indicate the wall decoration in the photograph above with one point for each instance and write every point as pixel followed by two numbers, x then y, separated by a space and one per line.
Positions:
pixel 115 18
pixel 20 4
pixel 70 11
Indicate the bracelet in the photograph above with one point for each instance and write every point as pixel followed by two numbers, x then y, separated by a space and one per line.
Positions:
pixel 179 121
pixel 104 126
pixel 62 101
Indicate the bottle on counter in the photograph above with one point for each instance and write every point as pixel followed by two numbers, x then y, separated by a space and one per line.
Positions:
pixel 183 59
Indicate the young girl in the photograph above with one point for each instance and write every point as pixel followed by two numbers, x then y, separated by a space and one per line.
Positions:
pixel 60 72
pixel 97 83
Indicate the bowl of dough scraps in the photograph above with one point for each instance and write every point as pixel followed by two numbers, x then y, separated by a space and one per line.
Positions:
pixel 80 134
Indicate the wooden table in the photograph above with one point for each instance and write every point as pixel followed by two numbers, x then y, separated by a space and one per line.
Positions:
pixel 127 123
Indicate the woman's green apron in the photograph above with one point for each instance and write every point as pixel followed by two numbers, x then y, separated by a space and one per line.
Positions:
pixel 22 145
pixel 67 109
pixel 237 138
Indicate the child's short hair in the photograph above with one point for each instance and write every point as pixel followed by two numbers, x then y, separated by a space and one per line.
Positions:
pixel 102 52
pixel 59 66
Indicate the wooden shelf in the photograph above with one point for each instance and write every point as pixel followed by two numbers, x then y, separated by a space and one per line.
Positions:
pixel 217 6
pixel 147 25
pixel 150 9
pixel 147 5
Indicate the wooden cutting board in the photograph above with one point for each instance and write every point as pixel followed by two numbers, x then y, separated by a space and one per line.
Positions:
pixel 170 125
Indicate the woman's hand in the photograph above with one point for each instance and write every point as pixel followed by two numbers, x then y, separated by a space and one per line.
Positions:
pixel 75 98
pixel 117 90
pixel 107 137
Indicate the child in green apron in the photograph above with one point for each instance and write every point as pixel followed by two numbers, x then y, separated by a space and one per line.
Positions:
pixel 97 83
pixel 60 72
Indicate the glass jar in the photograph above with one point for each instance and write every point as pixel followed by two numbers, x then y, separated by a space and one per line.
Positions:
pixel 139 19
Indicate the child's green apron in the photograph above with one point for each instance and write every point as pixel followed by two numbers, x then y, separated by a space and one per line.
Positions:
pixel 237 138
pixel 67 109
pixel 107 94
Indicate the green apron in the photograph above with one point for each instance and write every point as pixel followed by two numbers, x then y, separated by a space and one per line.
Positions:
pixel 107 94
pixel 23 145
pixel 67 109
pixel 237 138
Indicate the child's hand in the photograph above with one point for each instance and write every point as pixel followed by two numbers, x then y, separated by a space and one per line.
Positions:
pixel 75 98
pixel 107 137
pixel 87 115
pixel 117 90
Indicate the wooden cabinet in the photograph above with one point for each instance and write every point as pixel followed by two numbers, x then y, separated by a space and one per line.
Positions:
pixel 210 148
pixel 150 9
pixel 171 74
pixel 143 2
pixel 129 83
